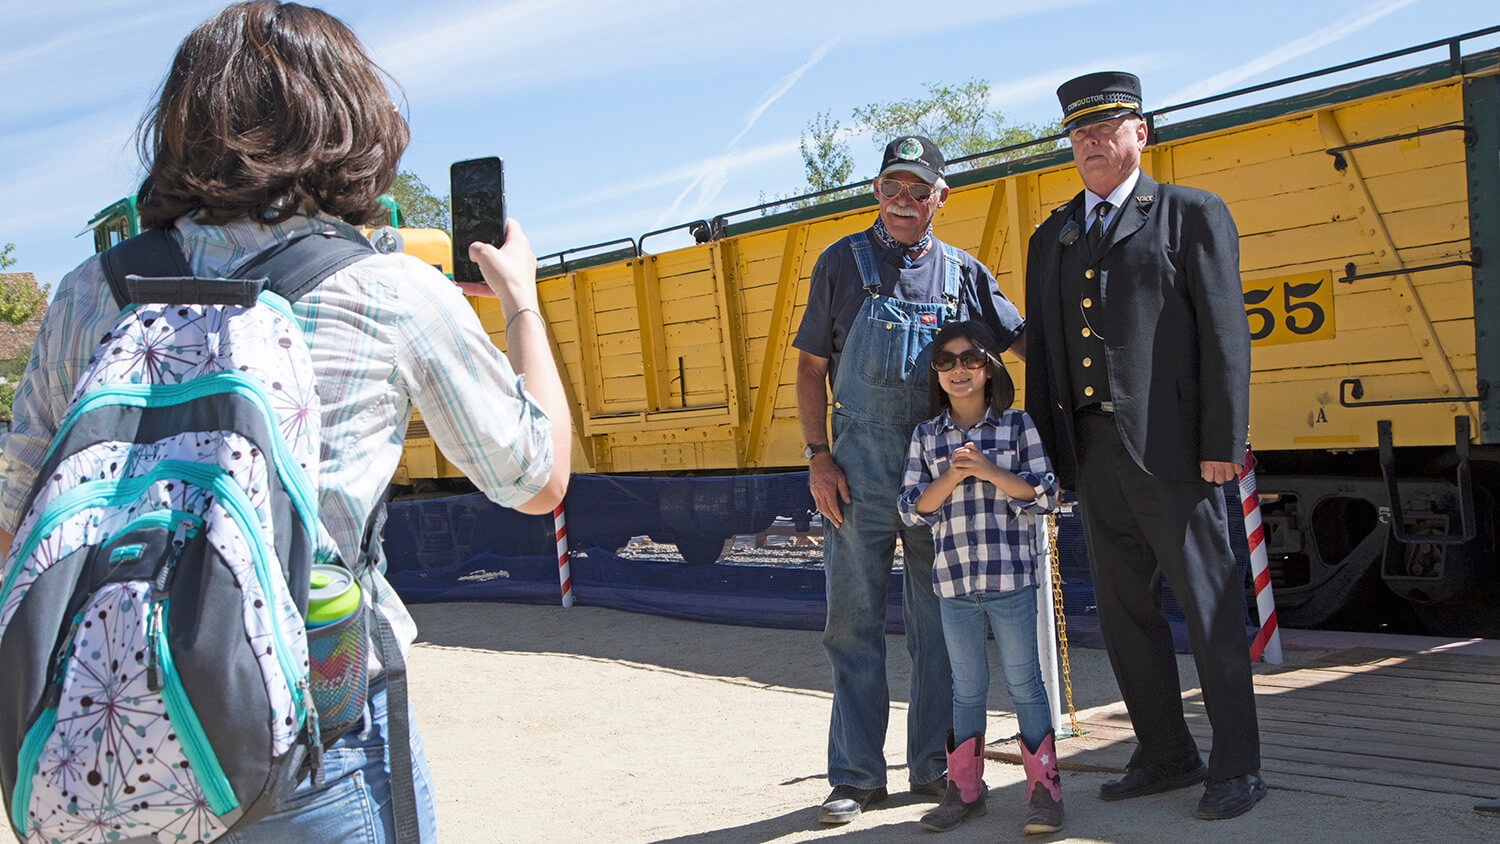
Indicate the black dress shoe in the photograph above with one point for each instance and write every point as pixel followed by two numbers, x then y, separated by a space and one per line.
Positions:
pixel 1230 798
pixel 1154 779
pixel 845 803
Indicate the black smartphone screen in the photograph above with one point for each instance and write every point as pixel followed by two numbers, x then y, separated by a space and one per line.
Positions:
pixel 478 187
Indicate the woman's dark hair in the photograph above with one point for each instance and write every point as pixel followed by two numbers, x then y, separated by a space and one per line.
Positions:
pixel 999 390
pixel 270 109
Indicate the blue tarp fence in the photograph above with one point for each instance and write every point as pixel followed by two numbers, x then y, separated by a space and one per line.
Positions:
pixel 464 548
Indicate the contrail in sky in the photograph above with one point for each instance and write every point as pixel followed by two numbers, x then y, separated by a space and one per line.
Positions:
pixel 711 180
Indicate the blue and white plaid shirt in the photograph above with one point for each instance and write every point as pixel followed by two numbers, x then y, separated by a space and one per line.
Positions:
pixel 983 538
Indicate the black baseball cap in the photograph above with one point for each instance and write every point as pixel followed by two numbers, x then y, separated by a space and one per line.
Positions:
pixel 916 155
pixel 1095 97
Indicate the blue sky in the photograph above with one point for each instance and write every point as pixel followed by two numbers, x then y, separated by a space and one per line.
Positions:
pixel 618 118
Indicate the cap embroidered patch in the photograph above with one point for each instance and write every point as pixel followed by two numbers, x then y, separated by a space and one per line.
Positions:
pixel 913 154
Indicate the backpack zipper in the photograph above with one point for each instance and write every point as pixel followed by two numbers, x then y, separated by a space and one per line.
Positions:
pixel 226 493
pixel 230 381
pixel 27 761
pixel 161 583
pixel 195 744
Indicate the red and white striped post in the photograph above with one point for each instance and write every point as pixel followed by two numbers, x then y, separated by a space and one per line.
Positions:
pixel 1268 640
pixel 564 572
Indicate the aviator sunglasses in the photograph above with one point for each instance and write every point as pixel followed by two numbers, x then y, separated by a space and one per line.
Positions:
pixel 918 191
pixel 970 358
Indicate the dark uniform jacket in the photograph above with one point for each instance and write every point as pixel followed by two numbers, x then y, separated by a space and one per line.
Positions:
pixel 1172 315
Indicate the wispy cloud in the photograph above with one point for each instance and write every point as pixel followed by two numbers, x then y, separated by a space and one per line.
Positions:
pixel 1009 96
pixel 780 88
pixel 691 171
pixel 533 43
pixel 714 174
pixel 1229 79
pixel 69 173
pixel 62 42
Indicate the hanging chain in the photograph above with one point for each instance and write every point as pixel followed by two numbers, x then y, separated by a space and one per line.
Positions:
pixel 1062 619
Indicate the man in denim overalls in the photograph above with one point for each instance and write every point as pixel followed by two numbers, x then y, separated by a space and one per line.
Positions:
pixel 878 297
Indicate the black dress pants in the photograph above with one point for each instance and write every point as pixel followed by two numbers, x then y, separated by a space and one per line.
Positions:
pixel 1140 528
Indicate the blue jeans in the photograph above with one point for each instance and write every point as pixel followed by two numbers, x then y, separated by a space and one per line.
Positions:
pixel 354 803
pixel 857 562
pixel 1012 615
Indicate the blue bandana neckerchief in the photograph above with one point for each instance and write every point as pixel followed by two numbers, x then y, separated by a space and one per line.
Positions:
pixel 907 252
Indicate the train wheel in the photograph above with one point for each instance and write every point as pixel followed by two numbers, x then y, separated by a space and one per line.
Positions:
pixel 1469 619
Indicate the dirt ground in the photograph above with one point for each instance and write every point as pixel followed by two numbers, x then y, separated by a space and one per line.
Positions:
pixel 545 724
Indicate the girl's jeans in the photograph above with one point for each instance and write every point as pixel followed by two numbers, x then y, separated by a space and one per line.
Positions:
pixel 1012 615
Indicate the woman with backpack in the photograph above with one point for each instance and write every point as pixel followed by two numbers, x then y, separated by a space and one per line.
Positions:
pixel 273 124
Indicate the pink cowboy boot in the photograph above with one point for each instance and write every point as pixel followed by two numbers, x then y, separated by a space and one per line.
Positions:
pixel 1043 787
pixel 965 794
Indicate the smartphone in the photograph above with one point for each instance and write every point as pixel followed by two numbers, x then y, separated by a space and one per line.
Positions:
pixel 478 190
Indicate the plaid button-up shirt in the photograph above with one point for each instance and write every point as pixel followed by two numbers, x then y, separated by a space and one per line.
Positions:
pixel 984 539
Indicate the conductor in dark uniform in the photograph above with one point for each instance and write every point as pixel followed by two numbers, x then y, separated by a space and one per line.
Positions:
pixel 1139 371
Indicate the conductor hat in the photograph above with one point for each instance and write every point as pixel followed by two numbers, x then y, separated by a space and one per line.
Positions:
pixel 1094 97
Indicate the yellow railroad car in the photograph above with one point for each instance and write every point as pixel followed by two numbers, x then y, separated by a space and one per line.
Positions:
pixel 1366 212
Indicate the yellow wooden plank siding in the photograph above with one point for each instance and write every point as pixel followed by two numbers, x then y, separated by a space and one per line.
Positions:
pixel 683 361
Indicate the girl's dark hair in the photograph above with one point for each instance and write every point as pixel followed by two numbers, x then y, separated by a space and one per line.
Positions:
pixel 270 109
pixel 999 390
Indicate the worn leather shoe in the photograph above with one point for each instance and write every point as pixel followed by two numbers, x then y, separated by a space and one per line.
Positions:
pixel 934 789
pixel 1230 798
pixel 1154 779
pixel 845 803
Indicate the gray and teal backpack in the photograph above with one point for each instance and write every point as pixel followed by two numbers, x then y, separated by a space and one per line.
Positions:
pixel 152 634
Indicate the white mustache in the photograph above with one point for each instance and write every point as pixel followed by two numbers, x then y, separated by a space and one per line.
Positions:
pixel 899 211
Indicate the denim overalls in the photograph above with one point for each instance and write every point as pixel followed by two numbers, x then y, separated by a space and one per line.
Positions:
pixel 879 396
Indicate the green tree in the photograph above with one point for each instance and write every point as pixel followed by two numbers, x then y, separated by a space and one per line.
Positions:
pixel 18 301
pixel 825 157
pixel 957 117
pixel 827 162
pixel 11 371
pixel 421 208
pixel 19 295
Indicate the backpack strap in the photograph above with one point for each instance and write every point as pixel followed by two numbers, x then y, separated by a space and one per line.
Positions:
pixel 398 734
pixel 153 254
pixel 297 266
pixel 150 267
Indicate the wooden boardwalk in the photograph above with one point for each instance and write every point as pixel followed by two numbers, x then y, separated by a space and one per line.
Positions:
pixel 1421 728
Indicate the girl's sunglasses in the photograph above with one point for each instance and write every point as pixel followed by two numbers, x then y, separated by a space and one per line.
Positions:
pixel 918 191
pixel 969 358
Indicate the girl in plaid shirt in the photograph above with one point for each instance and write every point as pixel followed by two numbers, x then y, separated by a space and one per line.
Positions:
pixel 977 474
